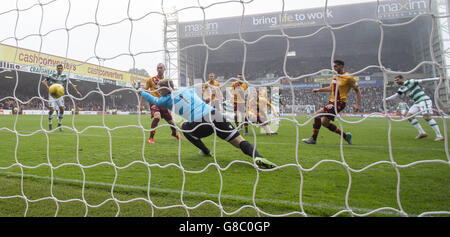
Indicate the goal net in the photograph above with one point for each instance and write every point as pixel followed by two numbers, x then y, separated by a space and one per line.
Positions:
pixel 97 160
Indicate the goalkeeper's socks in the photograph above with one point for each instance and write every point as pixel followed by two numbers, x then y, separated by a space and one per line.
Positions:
pixel 416 124
pixel 435 127
pixel 248 149
pixel 197 142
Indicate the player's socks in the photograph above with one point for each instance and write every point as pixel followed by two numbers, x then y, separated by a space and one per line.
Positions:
pixel 177 136
pixel 315 134
pixel 197 142
pixel 248 149
pixel 50 117
pixel 316 128
pixel 335 129
pixel 154 125
pixel 416 124
pixel 60 118
pixel 174 131
pixel 435 127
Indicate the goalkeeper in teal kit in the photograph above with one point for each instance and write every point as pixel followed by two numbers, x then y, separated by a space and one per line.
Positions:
pixel 201 120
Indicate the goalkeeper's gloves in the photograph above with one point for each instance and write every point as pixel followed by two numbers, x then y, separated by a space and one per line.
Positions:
pixel 138 88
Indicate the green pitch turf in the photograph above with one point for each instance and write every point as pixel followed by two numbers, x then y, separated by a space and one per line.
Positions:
pixel 108 169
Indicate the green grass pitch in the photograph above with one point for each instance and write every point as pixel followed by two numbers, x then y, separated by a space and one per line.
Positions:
pixel 108 169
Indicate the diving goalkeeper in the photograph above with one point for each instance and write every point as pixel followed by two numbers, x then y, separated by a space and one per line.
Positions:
pixel 201 120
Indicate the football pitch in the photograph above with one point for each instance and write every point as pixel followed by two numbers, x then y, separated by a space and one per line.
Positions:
pixel 106 168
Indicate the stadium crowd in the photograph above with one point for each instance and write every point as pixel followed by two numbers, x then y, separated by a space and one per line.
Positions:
pixel 93 102
pixel 371 100
pixel 126 100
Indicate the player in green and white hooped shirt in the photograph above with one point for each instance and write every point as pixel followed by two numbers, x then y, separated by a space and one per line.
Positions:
pixel 57 77
pixel 403 108
pixel 422 104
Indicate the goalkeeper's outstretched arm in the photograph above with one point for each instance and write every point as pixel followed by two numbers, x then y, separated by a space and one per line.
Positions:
pixel 164 102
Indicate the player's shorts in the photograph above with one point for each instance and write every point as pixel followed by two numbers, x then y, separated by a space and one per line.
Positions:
pixel 165 113
pixel 224 129
pixel 55 103
pixel 422 107
pixel 331 110
pixel 403 112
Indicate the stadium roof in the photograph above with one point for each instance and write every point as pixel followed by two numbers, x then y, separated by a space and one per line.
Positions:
pixel 310 40
pixel 333 15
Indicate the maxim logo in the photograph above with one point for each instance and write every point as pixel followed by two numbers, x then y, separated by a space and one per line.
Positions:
pixel 406 6
pixel 198 29
pixel 208 26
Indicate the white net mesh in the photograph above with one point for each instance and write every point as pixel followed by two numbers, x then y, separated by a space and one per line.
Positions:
pixel 97 36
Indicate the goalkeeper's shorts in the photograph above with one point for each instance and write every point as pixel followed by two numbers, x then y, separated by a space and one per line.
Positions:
pixel 200 129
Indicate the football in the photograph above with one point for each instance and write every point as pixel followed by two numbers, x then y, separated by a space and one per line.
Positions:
pixel 56 90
